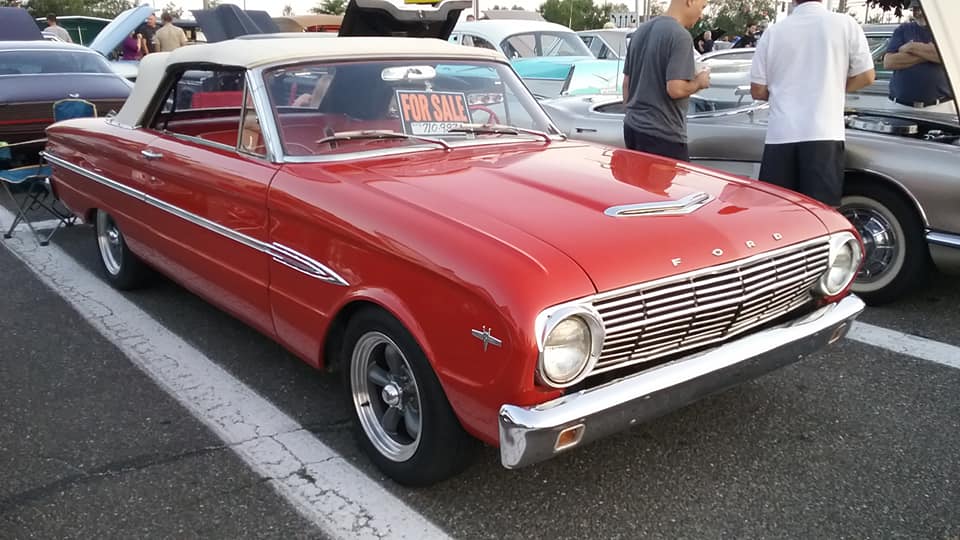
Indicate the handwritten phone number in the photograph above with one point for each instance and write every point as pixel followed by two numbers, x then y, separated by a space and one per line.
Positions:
pixel 433 128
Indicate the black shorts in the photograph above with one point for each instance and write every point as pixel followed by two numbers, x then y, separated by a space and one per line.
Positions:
pixel 814 168
pixel 654 145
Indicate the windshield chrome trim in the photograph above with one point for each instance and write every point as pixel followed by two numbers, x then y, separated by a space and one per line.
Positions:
pixel 412 149
pixel 280 253
pixel 268 122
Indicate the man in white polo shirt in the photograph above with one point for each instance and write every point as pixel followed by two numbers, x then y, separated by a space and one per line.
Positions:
pixel 803 66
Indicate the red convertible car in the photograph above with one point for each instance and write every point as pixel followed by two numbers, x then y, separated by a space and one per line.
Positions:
pixel 403 210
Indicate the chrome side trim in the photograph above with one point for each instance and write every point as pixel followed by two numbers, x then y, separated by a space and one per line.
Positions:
pixel 280 253
pixel 745 109
pixel 943 239
pixel 126 190
pixel 684 205
pixel 300 262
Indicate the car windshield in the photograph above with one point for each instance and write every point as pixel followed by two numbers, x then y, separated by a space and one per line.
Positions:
pixel 325 108
pixel 53 61
pixel 533 44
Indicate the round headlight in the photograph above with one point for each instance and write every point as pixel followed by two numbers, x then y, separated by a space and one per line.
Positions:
pixel 570 338
pixel 843 263
pixel 566 350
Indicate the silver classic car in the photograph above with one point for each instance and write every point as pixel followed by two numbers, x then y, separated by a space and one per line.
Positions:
pixel 902 188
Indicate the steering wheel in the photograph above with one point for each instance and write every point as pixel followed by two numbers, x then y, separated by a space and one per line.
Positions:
pixel 493 119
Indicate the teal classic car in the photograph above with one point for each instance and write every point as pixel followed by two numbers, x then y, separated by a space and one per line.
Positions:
pixel 542 53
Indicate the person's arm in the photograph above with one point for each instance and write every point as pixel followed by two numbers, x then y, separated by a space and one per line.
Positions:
pixel 900 60
pixel 861 81
pixel 758 71
pixel 681 89
pixel 183 37
pixel 628 69
pixel 682 80
pixel 926 51
pixel 860 69
pixel 759 92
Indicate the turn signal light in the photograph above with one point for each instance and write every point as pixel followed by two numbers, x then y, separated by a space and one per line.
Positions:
pixel 569 437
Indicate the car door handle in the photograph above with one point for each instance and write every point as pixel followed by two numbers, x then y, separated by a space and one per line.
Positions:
pixel 584 130
pixel 150 154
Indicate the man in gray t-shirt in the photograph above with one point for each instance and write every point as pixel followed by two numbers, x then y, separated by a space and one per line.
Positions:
pixel 659 76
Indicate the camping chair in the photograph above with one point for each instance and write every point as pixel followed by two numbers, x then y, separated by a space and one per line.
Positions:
pixel 34 180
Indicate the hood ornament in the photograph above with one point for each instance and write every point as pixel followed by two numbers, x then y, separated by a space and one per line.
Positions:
pixel 683 205
pixel 486 337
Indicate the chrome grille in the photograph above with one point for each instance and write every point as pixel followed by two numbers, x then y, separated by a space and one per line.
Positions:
pixel 649 321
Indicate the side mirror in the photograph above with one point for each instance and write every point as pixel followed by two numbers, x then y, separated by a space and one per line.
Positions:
pixel 742 90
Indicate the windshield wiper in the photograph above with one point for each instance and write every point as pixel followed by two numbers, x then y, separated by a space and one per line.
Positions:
pixel 498 129
pixel 377 134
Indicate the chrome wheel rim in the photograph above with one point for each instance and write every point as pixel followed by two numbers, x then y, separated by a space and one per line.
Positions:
pixel 110 241
pixel 386 396
pixel 882 245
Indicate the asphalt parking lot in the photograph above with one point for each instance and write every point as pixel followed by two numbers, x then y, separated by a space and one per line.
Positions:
pixel 856 441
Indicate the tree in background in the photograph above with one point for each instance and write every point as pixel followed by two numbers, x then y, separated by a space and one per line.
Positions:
pixel 575 14
pixel 173 9
pixel 288 11
pixel 733 16
pixel 103 8
pixel 886 5
pixel 330 7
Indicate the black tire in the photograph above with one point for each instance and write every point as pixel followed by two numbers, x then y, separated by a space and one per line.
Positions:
pixel 442 448
pixel 883 216
pixel 121 267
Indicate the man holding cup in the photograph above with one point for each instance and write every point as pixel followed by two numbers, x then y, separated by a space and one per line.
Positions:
pixel 659 76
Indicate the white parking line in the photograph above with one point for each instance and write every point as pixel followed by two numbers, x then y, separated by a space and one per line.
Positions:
pixel 910 345
pixel 320 483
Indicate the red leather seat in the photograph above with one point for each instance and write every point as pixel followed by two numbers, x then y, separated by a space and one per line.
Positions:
pixel 207 100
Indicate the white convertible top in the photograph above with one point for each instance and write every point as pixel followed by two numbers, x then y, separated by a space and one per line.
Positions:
pixel 252 53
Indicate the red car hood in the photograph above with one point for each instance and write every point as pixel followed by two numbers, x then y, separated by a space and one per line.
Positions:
pixel 559 194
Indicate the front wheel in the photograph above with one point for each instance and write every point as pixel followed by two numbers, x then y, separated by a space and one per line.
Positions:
pixel 402 418
pixel 895 250
pixel 123 269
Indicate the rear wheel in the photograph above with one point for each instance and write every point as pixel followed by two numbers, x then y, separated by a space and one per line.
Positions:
pixel 402 419
pixel 123 269
pixel 895 250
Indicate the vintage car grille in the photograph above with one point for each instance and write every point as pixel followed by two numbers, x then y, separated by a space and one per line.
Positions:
pixel 657 319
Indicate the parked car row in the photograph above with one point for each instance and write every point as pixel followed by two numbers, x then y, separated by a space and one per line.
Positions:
pixel 35 73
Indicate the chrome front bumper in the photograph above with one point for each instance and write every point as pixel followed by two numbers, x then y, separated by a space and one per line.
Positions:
pixel 532 434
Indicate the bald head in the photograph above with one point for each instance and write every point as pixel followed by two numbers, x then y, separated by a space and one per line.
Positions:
pixel 688 12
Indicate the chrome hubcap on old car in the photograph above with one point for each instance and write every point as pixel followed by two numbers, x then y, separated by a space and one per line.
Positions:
pixel 110 242
pixel 386 396
pixel 880 241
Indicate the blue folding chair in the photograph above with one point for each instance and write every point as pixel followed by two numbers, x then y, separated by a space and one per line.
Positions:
pixel 34 180
pixel 66 109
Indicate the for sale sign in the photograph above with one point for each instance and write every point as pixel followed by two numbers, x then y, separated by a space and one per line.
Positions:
pixel 432 113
